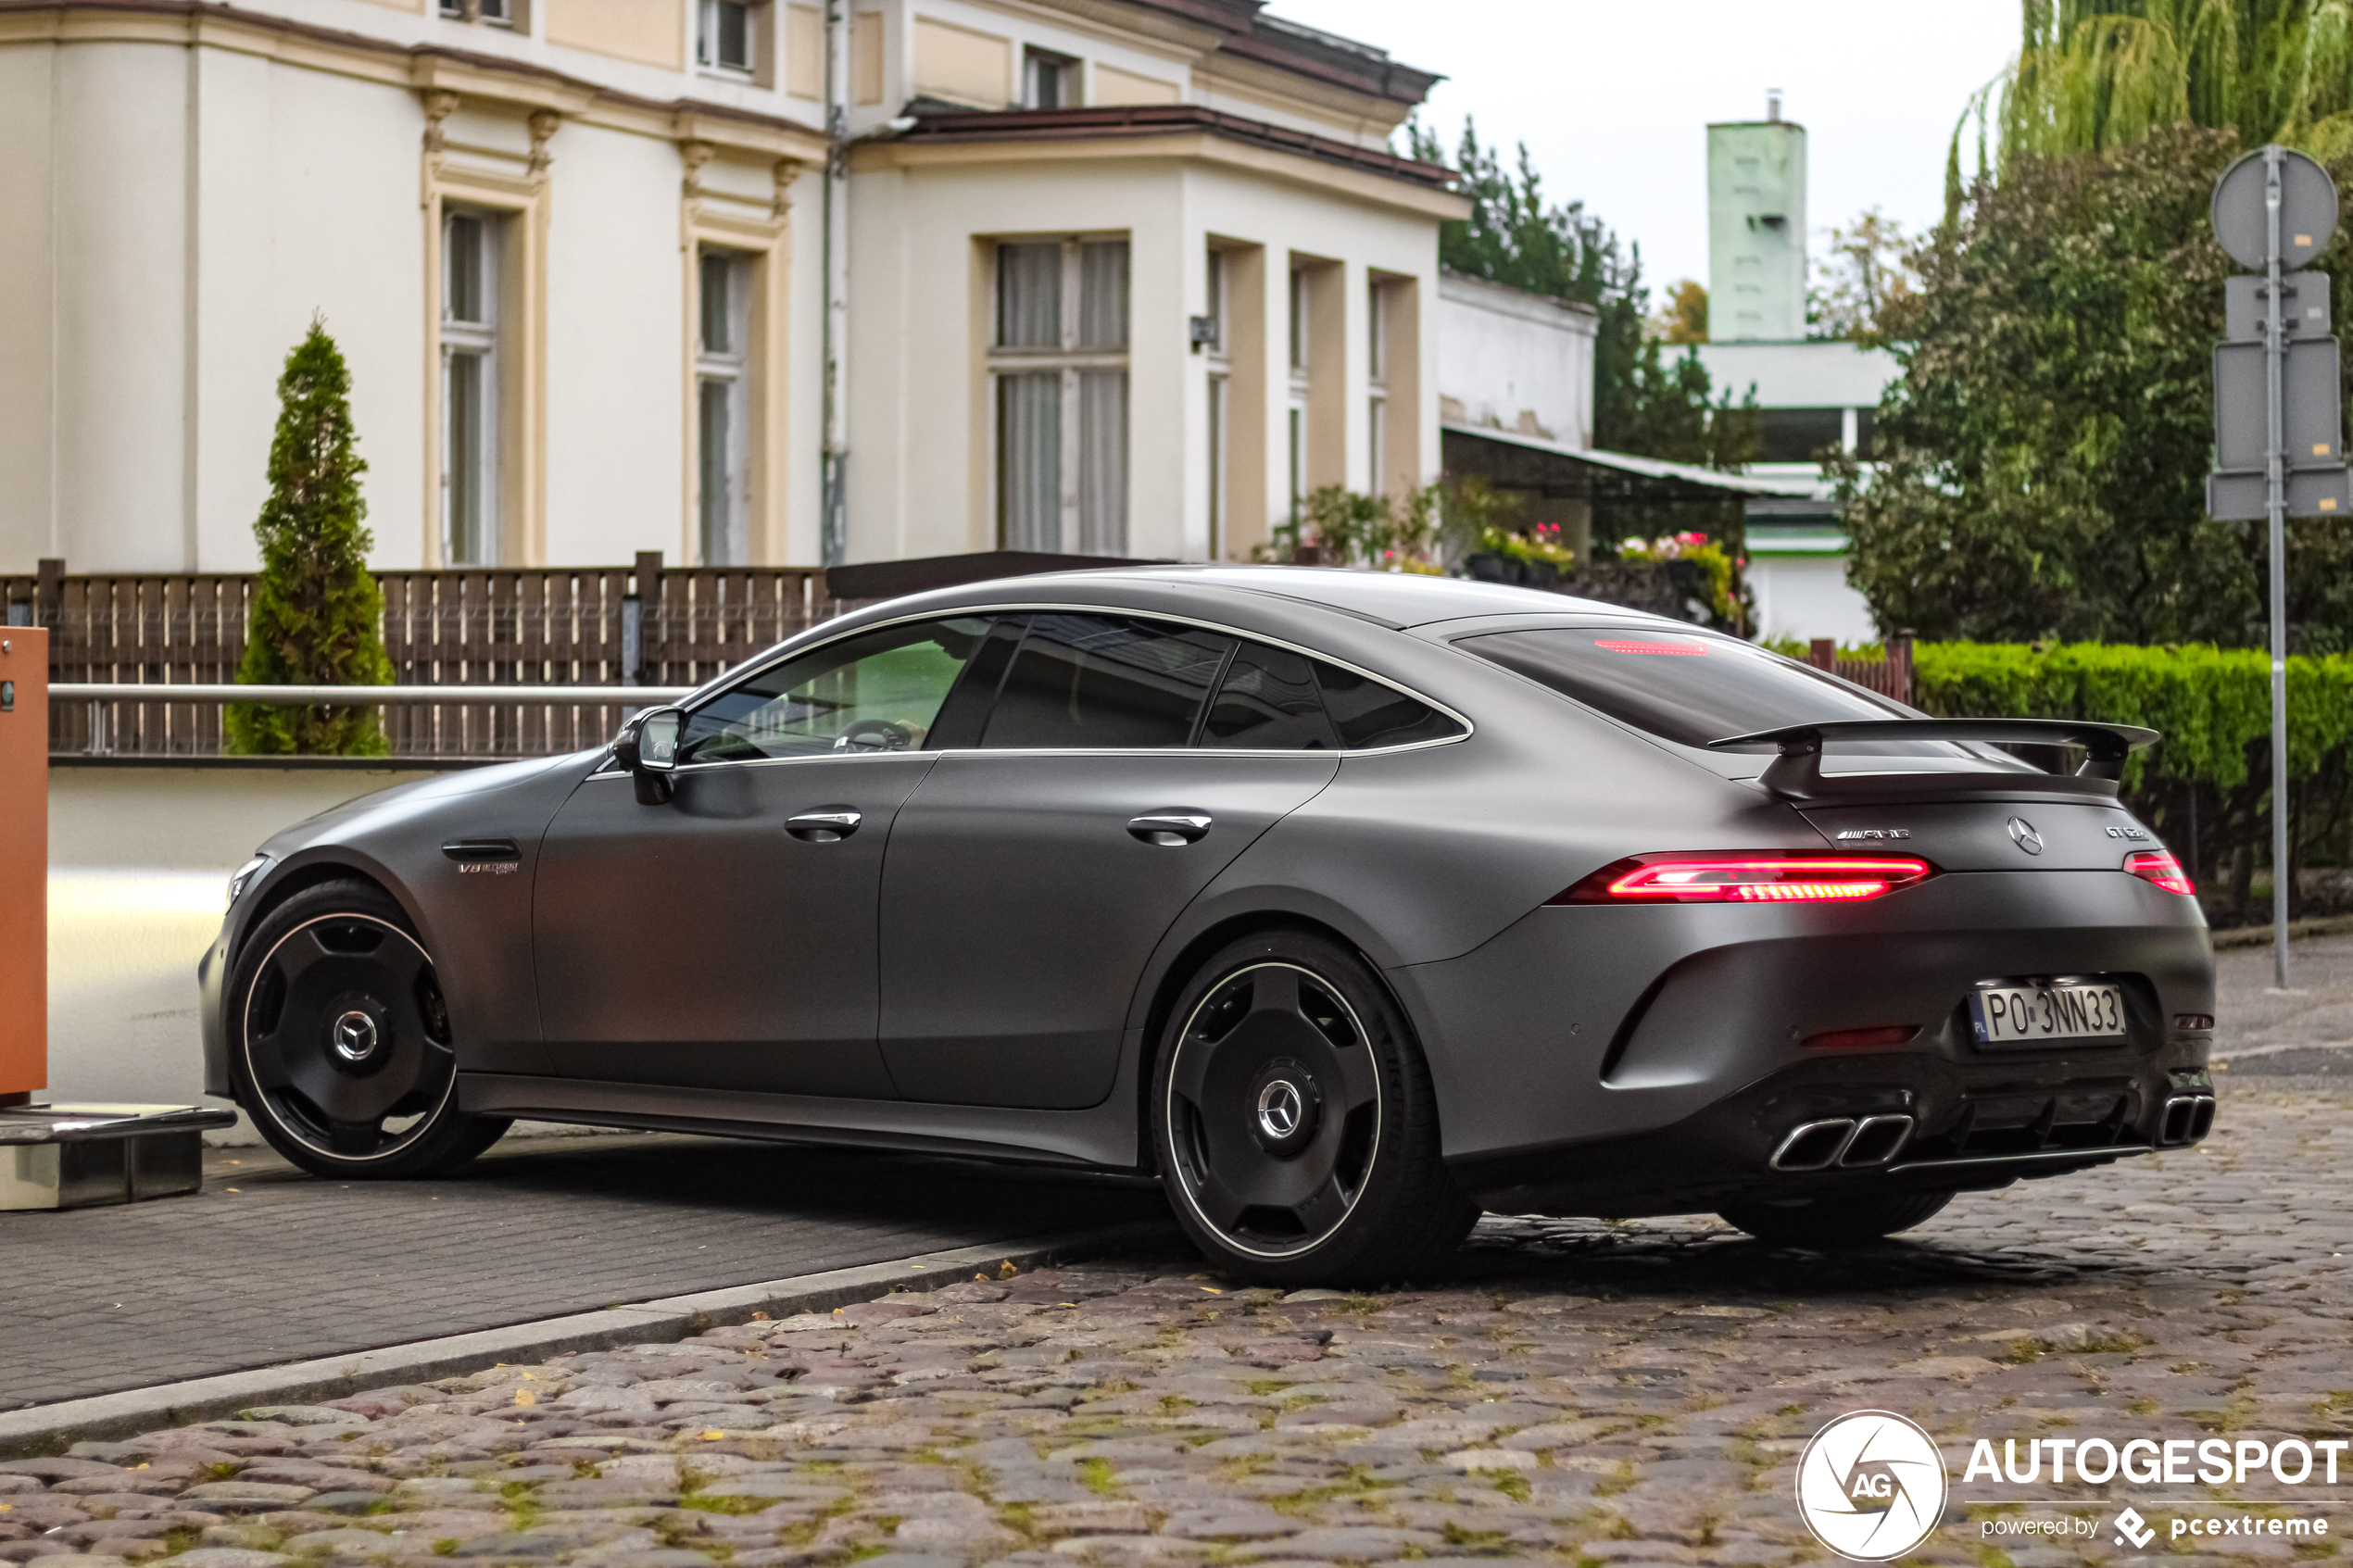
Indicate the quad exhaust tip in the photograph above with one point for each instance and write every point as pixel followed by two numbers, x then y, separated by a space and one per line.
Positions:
pixel 1846 1142
pixel 2187 1119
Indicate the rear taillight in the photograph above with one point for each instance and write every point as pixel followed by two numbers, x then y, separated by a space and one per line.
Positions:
pixel 2159 867
pixel 1746 879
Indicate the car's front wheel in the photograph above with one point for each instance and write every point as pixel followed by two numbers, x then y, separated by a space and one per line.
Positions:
pixel 1828 1222
pixel 341 1048
pixel 1293 1120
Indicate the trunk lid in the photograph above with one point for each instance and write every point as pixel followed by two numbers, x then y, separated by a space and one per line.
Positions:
pixel 1990 835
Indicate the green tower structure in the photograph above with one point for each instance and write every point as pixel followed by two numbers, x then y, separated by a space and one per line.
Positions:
pixel 1757 229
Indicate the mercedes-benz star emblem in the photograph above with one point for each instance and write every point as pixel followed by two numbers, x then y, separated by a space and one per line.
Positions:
pixel 1278 1108
pixel 2023 834
pixel 353 1036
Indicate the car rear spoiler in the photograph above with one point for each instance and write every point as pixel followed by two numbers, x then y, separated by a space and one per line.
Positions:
pixel 1796 774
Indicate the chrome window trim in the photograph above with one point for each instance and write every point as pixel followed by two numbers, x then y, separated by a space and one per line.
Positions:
pixel 789 650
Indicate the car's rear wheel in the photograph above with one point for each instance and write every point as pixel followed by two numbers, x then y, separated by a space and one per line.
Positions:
pixel 1293 1120
pixel 1855 1221
pixel 341 1050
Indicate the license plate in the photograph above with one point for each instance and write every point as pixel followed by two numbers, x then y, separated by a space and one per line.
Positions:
pixel 2025 1012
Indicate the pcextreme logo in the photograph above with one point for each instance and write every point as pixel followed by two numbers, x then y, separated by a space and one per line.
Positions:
pixel 1871 1485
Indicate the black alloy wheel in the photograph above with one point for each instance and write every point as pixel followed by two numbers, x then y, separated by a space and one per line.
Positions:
pixel 342 1049
pixel 1295 1124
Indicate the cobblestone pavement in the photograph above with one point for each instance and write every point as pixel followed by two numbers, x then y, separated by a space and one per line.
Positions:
pixel 268 1265
pixel 1582 1394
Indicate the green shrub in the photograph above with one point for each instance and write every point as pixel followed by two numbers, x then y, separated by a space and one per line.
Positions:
pixel 315 613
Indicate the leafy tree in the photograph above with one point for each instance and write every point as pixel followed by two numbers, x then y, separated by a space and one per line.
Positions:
pixel 2046 448
pixel 1867 277
pixel 1685 317
pixel 316 611
pixel 1643 402
pixel 2095 76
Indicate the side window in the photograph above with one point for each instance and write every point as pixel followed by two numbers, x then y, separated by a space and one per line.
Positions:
pixel 1268 702
pixel 1368 714
pixel 1101 681
pixel 876 691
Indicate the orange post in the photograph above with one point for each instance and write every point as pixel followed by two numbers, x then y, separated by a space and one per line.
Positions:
pixel 24 862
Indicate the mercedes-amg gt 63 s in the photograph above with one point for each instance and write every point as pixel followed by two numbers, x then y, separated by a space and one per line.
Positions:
pixel 1347 904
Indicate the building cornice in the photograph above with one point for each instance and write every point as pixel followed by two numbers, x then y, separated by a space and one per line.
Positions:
pixel 1177 131
pixel 484 80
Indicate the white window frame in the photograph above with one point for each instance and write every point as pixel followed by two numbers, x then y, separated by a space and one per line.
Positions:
pixel 707 16
pixel 491 13
pixel 477 341
pixel 722 523
pixel 1067 72
pixel 1072 361
pixel 1302 350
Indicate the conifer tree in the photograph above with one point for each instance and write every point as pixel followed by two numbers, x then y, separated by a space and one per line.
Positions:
pixel 316 611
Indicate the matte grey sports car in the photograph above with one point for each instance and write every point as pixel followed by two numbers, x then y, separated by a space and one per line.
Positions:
pixel 1347 903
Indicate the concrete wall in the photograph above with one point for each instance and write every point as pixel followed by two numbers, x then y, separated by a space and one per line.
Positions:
pixel 1515 361
pixel 138 862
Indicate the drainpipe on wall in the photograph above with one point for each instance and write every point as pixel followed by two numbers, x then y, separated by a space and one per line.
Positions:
pixel 834 520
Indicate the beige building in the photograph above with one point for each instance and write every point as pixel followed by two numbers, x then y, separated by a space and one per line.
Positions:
pixel 1114 276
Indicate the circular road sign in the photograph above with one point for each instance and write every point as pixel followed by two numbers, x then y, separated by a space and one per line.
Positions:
pixel 2308 210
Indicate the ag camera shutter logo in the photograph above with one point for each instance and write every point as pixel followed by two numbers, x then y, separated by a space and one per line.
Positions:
pixel 1871 1485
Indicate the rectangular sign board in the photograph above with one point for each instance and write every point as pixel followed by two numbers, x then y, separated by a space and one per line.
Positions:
pixel 2239 497
pixel 2309 389
pixel 2304 306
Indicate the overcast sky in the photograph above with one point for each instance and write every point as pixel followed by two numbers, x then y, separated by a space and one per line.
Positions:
pixel 1613 96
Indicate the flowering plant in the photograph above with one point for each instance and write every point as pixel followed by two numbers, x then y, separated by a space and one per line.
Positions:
pixel 1713 561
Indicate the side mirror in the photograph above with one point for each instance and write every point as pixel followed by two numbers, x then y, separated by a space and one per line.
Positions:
pixel 649 748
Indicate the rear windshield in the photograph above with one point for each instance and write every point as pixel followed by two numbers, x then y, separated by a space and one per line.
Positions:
pixel 1692 689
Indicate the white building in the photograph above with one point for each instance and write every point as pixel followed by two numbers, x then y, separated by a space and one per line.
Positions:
pixel 1508 359
pixel 1812 394
pixel 1119 276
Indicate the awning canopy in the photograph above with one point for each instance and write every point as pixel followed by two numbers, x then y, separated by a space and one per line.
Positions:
pixel 1514 461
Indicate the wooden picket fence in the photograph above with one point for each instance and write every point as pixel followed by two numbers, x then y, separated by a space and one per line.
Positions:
pixel 1890 677
pixel 641 624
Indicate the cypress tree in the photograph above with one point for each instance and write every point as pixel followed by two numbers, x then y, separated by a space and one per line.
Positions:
pixel 316 613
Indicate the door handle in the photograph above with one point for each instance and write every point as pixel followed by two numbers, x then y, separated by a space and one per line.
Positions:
pixel 1170 829
pixel 829 826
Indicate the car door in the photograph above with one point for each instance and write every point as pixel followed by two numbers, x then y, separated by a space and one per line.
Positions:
pixel 725 939
pixel 1030 878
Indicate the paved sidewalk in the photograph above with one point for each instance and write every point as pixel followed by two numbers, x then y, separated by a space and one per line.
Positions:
pixel 2305 1032
pixel 268 1265
pixel 1583 1394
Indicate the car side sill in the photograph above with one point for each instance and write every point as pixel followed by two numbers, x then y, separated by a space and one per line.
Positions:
pixel 1094 1138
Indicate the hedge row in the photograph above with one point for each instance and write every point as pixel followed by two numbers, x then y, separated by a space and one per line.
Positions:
pixel 2211 704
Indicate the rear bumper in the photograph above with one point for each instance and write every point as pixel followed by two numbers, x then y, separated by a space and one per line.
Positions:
pixel 1940 1126
pixel 1583 1035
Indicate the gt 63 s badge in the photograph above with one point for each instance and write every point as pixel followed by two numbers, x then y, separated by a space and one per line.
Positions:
pixel 1871 1485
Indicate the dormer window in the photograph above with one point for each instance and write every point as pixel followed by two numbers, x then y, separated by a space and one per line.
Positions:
pixel 722 35
pixel 1049 80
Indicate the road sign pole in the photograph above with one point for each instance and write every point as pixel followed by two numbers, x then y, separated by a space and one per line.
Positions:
pixel 2276 509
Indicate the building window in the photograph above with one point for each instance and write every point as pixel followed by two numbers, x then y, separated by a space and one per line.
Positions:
pixel 1049 80
pixel 1377 379
pixel 1296 417
pixel 722 35
pixel 469 257
pixel 1059 366
pixel 722 408
pixel 498 13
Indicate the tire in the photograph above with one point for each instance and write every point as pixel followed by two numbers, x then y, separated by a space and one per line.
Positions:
pixel 1828 1222
pixel 339 1042
pixel 1293 1122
